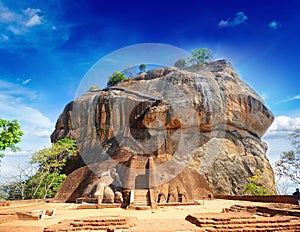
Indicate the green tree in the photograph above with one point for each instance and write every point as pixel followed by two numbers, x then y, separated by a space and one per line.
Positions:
pixel 93 87
pixel 115 78
pixel 10 135
pixel 200 56
pixel 50 186
pixel 142 68
pixel 180 63
pixel 258 184
pixel 50 163
pixel 15 185
pixel 288 166
pixel 129 71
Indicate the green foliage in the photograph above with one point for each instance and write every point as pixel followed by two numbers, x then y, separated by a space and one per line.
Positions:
pixel 200 56
pixel 48 178
pixel 54 158
pixel 259 185
pixel 115 78
pixel 142 68
pixel 93 87
pixel 288 166
pixel 181 63
pixel 10 135
pixel 50 185
pixel 50 163
pixel 11 191
pixel 15 188
pixel 129 71
pixel 255 190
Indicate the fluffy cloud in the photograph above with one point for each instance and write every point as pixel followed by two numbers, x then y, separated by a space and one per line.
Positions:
pixel 37 127
pixel 239 18
pixel 282 126
pixel 34 21
pixel 6 15
pixel 28 27
pixel 273 25
pixel 277 137
pixel 17 23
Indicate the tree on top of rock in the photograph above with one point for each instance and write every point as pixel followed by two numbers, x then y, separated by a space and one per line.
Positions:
pixel 93 88
pixel 198 56
pixel 180 63
pixel 142 68
pixel 201 56
pixel 115 78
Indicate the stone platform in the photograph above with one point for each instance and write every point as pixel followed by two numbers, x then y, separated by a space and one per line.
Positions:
pixel 240 218
pixel 103 223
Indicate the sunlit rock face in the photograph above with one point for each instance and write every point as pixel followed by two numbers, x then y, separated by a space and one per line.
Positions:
pixel 200 123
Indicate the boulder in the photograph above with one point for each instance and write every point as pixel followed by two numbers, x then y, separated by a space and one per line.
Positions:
pixel 203 120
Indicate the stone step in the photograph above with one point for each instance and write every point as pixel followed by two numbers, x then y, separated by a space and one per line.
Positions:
pixel 142 197
pixel 252 230
pixel 234 222
pixel 294 226
pixel 81 224
pixel 89 228
pixel 105 219
pixel 259 226
pixel 244 221
pixel 112 223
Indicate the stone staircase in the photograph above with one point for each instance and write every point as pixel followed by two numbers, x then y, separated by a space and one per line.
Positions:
pixel 141 197
pixel 107 223
pixel 241 222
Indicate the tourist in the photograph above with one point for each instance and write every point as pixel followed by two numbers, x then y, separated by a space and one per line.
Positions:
pixel 297 196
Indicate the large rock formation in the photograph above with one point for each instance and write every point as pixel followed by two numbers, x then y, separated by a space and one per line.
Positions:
pixel 182 132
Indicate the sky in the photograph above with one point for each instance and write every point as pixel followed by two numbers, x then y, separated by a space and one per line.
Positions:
pixel 47 47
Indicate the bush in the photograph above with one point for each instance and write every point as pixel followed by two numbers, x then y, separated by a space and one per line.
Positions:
pixel 115 78
pixel 181 63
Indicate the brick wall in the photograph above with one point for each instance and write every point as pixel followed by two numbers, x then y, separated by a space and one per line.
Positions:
pixel 273 198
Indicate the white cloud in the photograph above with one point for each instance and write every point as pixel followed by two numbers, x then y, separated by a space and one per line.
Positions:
pixel 25 27
pixel 3 37
pixel 277 137
pixel 17 22
pixel 282 126
pixel 26 81
pixel 34 21
pixel 31 12
pixel 37 127
pixel 297 97
pixel 239 18
pixel 6 15
pixel 34 18
pixel 274 25
pixel 8 89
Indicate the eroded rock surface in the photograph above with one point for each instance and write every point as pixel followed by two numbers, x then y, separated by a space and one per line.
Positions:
pixel 203 119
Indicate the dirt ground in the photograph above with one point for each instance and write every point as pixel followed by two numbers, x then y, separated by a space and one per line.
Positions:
pixel 167 218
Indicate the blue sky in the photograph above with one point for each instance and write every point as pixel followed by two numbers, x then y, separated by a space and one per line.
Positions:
pixel 47 47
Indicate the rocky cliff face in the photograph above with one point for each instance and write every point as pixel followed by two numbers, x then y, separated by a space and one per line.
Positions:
pixel 203 119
